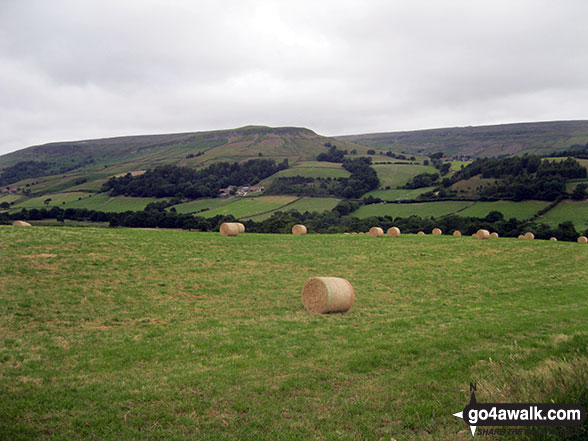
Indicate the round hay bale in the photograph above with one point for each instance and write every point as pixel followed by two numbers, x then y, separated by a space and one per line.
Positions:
pixel 521 236
pixel 361 232
pixel 421 233
pixel 21 224
pixel 483 234
pixel 553 238
pixel 393 232
pixel 321 295
pixel 474 235
pixel 241 227
pixel 529 235
pixel 457 233
pixel 229 229
pixel 437 232
pixel 299 230
pixel 376 232
pixel 582 239
pixel 494 235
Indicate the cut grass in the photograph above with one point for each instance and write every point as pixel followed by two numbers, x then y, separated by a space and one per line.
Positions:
pixel 301 205
pixel 312 172
pixel 519 210
pixel 134 334
pixel 424 209
pixel 250 206
pixel 398 194
pixel 575 211
pixel 56 200
pixel 201 204
pixel 395 175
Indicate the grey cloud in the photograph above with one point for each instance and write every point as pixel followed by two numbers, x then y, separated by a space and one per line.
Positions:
pixel 71 70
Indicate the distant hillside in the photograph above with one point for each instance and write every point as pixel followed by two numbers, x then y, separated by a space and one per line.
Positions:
pixel 93 161
pixel 481 141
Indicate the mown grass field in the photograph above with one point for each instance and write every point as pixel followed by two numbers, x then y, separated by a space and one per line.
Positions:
pixel 250 206
pixel 398 194
pixel 171 335
pixel 424 209
pixel 303 204
pixel 575 211
pixel 519 210
pixel 399 174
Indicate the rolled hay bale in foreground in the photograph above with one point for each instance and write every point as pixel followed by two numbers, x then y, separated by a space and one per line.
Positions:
pixel 474 235
pixel 393 232
pixel 494 235
pixel 376 232
pixel 529 235
pixel 229 229
pixel 553 238
pixel 421 233
pixel 521 236
pixel 299 230
pixel 241 227
pixel 483 234
pixel 457 233
pixel 437 232
pixel 321 295
pixel 21 224
pixel 582 239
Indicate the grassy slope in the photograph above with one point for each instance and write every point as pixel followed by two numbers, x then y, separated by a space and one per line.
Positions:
pixel 518 210
pixel 125 154
pixel 395 174
pixel 128 334
pixel 575 211
pixel 303 204
pixel 540 137
pixel 424 209
pixel 398 194
pixel 250 206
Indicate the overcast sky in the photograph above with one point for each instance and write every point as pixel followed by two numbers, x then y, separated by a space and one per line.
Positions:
pixel 82 69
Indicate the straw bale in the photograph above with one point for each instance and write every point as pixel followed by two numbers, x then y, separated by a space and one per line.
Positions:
pixel 21 224
pixel 376 232
pixel 299 230
pixel 229 229
pixel 483 234
pixel 393 232
pixel 327 294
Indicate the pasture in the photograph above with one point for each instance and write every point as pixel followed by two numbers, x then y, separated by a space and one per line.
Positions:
pixel 422 209
pixel 119 334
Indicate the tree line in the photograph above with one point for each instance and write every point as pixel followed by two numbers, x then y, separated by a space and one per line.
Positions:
pixel 334 221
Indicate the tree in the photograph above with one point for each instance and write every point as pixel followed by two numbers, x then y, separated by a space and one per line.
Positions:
pixel 579 192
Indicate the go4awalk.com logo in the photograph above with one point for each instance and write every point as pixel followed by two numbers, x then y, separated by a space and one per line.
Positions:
pixel 520 414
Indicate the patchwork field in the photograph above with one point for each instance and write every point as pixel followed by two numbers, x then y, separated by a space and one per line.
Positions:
pixel 575 211
pixel 303 204
pixel 424 209
pixel 398 194
pixel 519 210
pixel 250 206
pixel 394 175
pixel 140 334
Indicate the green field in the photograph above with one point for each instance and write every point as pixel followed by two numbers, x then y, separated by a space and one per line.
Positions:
pixel 456 165
pixel 201 204
pixel 422 209
pixel 519 210
pixel 575 211
pixel 56 200
pixel 398 194
pixel 312 172
pixel 394 175
pixel 250 206
pixel 103 202
pixel 303 204
pixel 119 334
